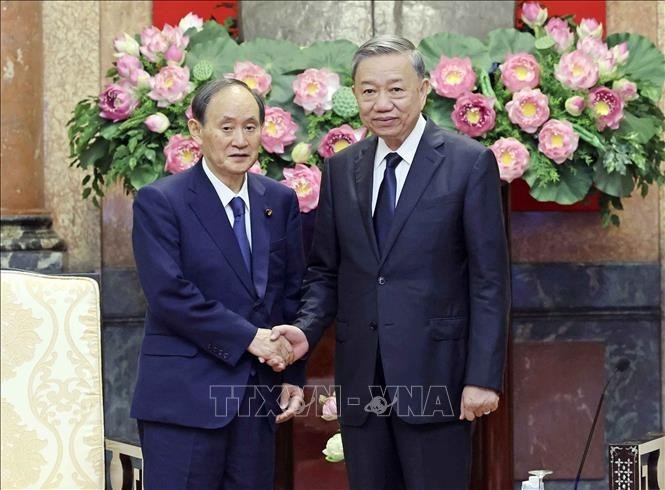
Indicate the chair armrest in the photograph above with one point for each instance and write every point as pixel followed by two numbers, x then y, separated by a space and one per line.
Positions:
pixel 122 473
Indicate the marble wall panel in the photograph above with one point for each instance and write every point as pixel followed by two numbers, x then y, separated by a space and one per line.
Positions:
pixel 417 19
pixel 306 22
pixel 71 72
pixel 118 17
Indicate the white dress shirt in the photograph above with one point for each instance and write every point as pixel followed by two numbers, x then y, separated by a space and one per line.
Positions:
pixel 225 195
pixel 407 151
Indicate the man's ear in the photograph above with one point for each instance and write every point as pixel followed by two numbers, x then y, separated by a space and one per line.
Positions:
pixel 424 91
pixel 195 129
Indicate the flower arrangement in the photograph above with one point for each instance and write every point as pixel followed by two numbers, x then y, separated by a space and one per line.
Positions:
pixel 569 113
pixel 334 450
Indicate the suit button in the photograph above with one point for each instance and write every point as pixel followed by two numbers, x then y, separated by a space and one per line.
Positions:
pixel 225 356
pixel 381 280
pixel 372 325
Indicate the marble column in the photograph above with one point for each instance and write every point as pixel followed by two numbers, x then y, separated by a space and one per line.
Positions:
pixel 27 240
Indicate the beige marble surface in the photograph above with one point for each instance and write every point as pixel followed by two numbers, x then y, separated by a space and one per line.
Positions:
pixel 306 22
pixel 118 17
pixel 71 72
pixel 21 179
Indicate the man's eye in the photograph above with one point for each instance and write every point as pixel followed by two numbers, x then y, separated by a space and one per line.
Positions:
pixel 226 129
pixel 397 89
pixel 250 128
pixel 368 91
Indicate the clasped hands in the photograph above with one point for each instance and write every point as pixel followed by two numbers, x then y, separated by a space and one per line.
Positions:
pixel 279 347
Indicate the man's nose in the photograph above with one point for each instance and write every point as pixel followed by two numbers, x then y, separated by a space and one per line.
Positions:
pixel 239 138
pixel 383 102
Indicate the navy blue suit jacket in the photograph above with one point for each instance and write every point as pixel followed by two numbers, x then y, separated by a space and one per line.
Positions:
pixel 436 301
pixel 203 306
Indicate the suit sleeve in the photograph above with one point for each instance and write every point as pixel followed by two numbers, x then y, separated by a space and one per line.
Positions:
pixel 173 300
pixel 489 276
pixel 295 267
pixel 319 304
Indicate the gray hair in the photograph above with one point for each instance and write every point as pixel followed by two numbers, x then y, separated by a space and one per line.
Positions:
pixel 389 44
pixel 207 91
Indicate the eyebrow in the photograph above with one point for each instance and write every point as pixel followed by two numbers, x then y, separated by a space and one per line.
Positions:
pixel 389 81
pixel 228 118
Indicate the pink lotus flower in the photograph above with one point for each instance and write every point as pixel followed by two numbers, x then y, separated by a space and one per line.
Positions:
pixel 314 90
pixel 607 107
pixel 474 114
pixel 153 43
pixel 301 152
pixel 140 79
pixel 512 157
pixel 127 65
pixel 256 169
pixel 170 85
pixel 533 14
pixel 329 409
pixel 339 138
pixel 558 30
pixel 181 153
pixel 175 36
pixel 625 89
pixel 520 71
pixel 174 55
pixel 557 140
pixel 620 53
pixel 577 71
pixel 306 181
pixel 600 53
pixel 189 21
pixel 278 130
pixel 157 122
pixel 453 77
pixel 575 105
pixel 590 28
pixel 253 75
pixel 117 102
pixel 528 109
pixel 125 44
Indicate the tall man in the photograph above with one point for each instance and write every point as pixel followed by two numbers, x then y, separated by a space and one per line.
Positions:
pixel 409 257
pixel 220 258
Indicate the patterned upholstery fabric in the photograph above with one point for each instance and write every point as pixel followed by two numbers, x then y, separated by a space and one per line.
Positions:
pixel 52 411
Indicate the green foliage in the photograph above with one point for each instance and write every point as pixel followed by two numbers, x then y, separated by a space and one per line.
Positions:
pixel 612 163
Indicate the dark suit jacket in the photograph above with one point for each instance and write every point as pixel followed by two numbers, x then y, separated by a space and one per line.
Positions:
pixel 203 306
pixel 436 301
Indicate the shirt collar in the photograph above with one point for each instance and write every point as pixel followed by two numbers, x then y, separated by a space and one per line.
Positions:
pixel 225 194
pixel 407 150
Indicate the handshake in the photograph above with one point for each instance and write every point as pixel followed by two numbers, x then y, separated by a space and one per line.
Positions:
pixel 279 347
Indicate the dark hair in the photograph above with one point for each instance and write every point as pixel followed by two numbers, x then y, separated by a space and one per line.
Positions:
pixel 210 89
pixel 389 44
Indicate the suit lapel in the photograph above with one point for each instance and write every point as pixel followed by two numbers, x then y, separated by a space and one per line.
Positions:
pixel 260 234
pixel 364 175
pixel 205 203
pixel 426 161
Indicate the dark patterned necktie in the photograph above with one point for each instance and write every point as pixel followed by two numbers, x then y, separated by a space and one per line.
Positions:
pixel 238 207
pixel 385 202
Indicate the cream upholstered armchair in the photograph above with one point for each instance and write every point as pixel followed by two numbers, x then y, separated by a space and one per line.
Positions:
pixel 51 385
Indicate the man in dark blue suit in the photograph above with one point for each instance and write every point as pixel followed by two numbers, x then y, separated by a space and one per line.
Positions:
pixel 409 257
pixel 220 258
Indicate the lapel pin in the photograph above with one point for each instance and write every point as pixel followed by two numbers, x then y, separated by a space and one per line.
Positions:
pixel 268 212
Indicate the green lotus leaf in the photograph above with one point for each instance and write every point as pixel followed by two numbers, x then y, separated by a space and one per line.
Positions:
pixel 271 54
pixel 334 55
pixel 645 61
pixel 575 180
pixel 439 109
pixel 504 41
pixel 213 45
pixel 144 175
pixel 454 45
pixel 613 183
pixel 645 127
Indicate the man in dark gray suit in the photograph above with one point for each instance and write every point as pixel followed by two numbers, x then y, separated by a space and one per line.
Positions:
pixel 409 257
